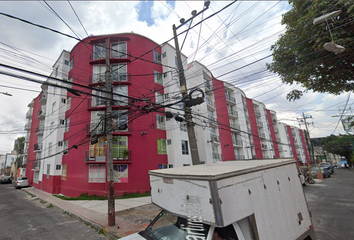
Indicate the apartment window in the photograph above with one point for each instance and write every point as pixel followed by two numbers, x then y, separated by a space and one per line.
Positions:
pixel 119 72
pixel 158 77
pixel 56 71
pixel 71 63
pixel 167 96
pixel 119 50
pixel 159 98
pixel 48 170
pixel 66 147
pixel 50 149
pixel 67 124
pixel 169 142
pixel 62 122
pixel 157 57
pixel 99 100
pixel 97 123
pixel 186 165
pixel 63 100
pixel 120 120
pixel 66 62
pixel 183 127
pixel 161 146
pixel 160 122
pixel 99 52
pixel 122 91
pixel 68 103
pixel 60 143
pixel 164 55
pixel 63 173
pixel 53 107
pixel 164 75
pixel 98 75
pixel 176 61
pixel 58 167
pixel 52 126
pixel 185 147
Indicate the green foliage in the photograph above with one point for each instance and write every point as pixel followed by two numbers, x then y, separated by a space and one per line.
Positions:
pixel 342 145
pixel 83 196
pixel 134 195
pixel 299 57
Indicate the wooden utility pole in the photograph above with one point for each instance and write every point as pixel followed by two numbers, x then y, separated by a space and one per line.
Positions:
pixel 110 180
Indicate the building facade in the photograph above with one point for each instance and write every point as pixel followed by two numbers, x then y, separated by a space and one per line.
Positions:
pixel 66 143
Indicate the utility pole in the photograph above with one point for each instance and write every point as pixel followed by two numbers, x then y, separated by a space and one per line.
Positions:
pixel 183 89
pixel 110 180
pixel 308 139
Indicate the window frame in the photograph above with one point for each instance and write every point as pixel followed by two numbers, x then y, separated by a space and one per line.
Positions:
pixel 160 122
pixel 185 149
pixel 162 149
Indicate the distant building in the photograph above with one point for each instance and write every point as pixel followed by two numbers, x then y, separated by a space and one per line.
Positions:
pixel 66 146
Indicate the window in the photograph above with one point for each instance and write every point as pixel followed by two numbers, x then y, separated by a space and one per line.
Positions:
pixel 50 149
pixel 48 170
pixel 120 120
pixel 183 127
pixel 52 126
pixel 158 77
pixel 66 147
pixel 164 55
pixel 159 98
pixel 62 121
pixel 58 167
pixel 63 100
pixel 99 100
pixel 70 80
pixel 99 52
pixel 60 143
pixel 165 75
pixel 161 146
pixel 71 63
pixel 56 71
pixel 176 61
pixel 186 165
pixel 167 96
pixel 68 103
pixel 67 124
pixel 119 50
pixel 157 57
pixel 169 142
pixel 98 73
pixel 119 72
pixel 121 90
pixel 185 147
pixel 53 107
pixel 66 62
pixel 97 121
pixel 63 173
pixel 160 122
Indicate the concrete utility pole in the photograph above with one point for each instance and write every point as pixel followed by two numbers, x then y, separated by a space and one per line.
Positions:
pixel 308 139
pixel 110 180
pixel 183 88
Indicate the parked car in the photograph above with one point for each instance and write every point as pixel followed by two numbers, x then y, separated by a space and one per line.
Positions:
pixel 6 179
pixel 21 182
pixel 327 165
pixel 326 171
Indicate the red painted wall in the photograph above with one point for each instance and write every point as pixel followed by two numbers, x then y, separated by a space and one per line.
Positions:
pixel 143 148
pixel 254 129
pixel 31 157
pixel 272 133
pixel 222 115
pixel 292 143
pixel 305 146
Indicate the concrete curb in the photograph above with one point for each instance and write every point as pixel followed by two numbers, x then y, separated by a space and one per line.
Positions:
pixel 109 233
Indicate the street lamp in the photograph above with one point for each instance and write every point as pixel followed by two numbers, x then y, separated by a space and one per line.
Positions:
pixel 330 46
pixel 6 93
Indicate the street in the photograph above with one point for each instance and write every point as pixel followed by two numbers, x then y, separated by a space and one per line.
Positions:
pixel 23 218
pixel 331 203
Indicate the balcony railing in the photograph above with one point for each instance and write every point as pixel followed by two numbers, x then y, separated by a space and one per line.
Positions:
pixel 120 54
pixel 41 113
pixel 97 55
pixel 280 148
pixel 233 113
pixel 239 157
pixel 96 128
pixel 276 129
pixel 208 86
pixel 258 113
pixel 212 120
pixel 235 127
pixel 260 124
pixel 29 114
pixel 237 142
pixel 36 166
pixel 210 102
pixel 40 130
pixel 96 155
pixel 28 126
pixel 245 105
pixel 230 99
pixel 38 147
pixel 262 135
pixel 264 147
pixel 214 138
pixel 217 156
pixel 97 78
pixel 120 77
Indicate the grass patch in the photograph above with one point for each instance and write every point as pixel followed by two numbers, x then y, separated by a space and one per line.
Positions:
pixel 135 195
pixel 50 206
pixel 83 196
pixel 43 202
pixel 32 196
pixel 100 231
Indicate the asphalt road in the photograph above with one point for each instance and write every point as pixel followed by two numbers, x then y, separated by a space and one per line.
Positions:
pixel 331 203
pixel 23 218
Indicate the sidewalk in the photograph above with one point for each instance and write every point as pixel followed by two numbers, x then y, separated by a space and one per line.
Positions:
pixel 95 212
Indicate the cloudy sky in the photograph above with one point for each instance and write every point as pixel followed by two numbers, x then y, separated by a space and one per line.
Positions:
pixel 238 36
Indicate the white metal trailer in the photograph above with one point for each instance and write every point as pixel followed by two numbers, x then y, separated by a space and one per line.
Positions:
pixel 257 199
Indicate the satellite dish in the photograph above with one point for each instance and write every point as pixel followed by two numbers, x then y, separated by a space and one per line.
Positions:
pixel 332 47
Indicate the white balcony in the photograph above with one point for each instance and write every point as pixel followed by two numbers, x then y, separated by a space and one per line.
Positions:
pixel 41 114
pixel 43 99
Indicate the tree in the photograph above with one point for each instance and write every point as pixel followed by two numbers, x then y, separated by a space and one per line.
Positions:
pixel 299 56
pixel 19 147
pixel 342 145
